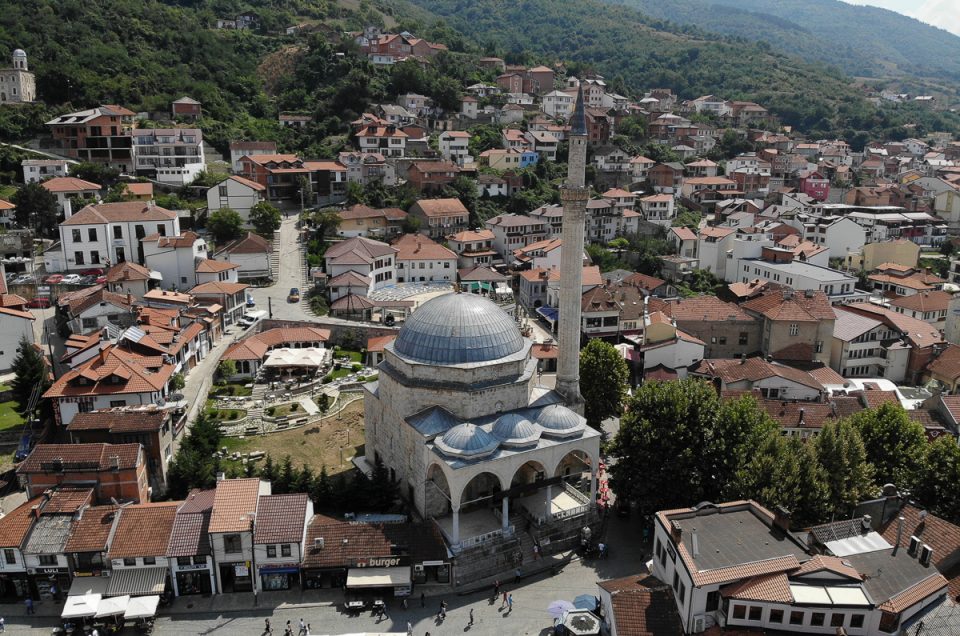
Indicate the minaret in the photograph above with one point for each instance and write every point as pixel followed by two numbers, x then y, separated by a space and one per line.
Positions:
pixel 574 197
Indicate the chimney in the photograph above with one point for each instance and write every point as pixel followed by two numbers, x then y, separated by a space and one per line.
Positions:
pixel 114 462
pixel 866 523
pixel 676 533
pixel 900 521
pixel 743 358
pixel 914 545
pixel 221 476
pixel 35 509
pixel 781 518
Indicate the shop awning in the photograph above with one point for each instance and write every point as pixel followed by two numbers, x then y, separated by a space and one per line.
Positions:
pixel 358 578
pixel 137 581
pixel 142 607
pixel 81 606
pixel 112 606
pixel 88 585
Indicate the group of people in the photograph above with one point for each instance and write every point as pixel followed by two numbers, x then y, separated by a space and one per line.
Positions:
pixel 303 628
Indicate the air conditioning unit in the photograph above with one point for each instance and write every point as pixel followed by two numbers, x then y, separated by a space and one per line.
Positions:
pixel 418 569
pixel 914 544
pixel 926 553
pixel 699 624
pixel 318 543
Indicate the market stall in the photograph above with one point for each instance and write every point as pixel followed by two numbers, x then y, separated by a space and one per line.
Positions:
pixel 81 606
pixel 396 579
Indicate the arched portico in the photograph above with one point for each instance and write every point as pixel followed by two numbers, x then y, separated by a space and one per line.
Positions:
pixel 437 499
pixel 574 465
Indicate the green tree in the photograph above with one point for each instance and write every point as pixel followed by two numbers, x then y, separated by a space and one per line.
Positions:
pixel 177 382
pixel 894 442
pixel 94 173
pixel 935 482
pixel 325 221
pixel 227 369
pixel 739 428
pixel 30 371
pixel 843 458
pixel 382 491
pixel 118 192
pixel 225 225
pixel 268 472
pixel 286 476
pixel 322 491
pixel 603 381
pixel 265 219
pixel 194 465
pixel 356 193
pixel 36 209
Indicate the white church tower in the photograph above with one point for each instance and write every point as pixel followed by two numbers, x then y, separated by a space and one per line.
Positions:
pixel 17 84
pixel 573 195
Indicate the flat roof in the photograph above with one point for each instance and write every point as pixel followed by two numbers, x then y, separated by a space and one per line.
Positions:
pixel 816 272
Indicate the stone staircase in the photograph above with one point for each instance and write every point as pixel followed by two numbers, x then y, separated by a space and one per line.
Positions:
pixel 487 559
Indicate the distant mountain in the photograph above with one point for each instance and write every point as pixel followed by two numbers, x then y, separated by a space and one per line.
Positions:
pixel 860 40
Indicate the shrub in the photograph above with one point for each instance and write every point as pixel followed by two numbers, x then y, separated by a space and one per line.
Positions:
pixel 234 415
pixel 357 366
pixel 294 407
pixel 270 411
pixel 327 378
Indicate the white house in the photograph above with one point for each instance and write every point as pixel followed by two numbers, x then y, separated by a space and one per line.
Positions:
pixel 174 257
pixel 868 348
pixel 236 193
pixel 279 538
pixel 16 323
pixel 658 208
pixel 515 231
pixel 544 143
pixel 712 246
pixel 170 155
pixel 388 141
pixel 106 233
pixel 39 169
pixel 371 259
pixel 252 253
pixel 559 103
pixel 454 145
pixel 775 266
pixel 209 270
pixel 67 188
pixel 421 259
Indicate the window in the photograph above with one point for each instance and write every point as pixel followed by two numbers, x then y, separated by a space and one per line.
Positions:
pixel 794 329
pixel 683 593
pixel 118 231
pixel 78 258
pixel 776 616
pixel 816 619
pixel 676 580
pixel 285 550
pixel 836 620
pixel 129 562
pixel 740 611
pixel 138 231
pixel 271 551
pixel 856 620
pixel 796 618
pixel 743 338
pixel 48 559
pixel 722 340
pixel 149 560
pixel 92 234
pixel 231 543
pixel 183 561
pixel 116 403
pixel 162 230
pixel 77 236
pixel 223 190
pixel 89 323
pixel 713 601
pixel 756 613
pixel 10 556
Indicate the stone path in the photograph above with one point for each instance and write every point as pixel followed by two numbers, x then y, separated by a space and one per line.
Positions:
pixel 309 407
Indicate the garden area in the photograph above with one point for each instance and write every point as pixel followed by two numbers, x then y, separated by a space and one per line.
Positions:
pixel 10 415
pixel 223 415
pixel 284 410
pixel 232 389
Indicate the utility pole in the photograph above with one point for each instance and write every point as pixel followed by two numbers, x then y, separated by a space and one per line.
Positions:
pixel 270 306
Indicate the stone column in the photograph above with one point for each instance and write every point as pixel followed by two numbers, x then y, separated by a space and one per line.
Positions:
pixel 571 289
pixel 505 513
pixel 548 512
pixel 593 486
pixel 456 525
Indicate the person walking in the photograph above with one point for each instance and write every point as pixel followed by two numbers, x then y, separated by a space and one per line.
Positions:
pixel 29 604
pixel 409 628
pixel 423 600
pixel 504 603
pixel 510 604
pixel 496 589
pixel 517 575
pixel 403 602
pixel 471 618
pixel 3 626
pixel 267 629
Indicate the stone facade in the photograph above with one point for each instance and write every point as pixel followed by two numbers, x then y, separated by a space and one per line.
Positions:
pixel 17 84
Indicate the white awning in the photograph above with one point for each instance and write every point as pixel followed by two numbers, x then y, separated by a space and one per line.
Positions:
pixel 84 606
pixel 88 585
pixel 142 607
pixel 112 606
pixel 378 577
pixel 137 581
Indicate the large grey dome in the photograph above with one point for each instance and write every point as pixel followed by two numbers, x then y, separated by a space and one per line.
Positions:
pixel 514 429
pixel 468 441
pixel 458 328
pixel 557 420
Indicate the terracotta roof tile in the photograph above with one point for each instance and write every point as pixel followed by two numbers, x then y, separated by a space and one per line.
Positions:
pixel 827 563
pixel 377 343
pixel 92 531
pixel 924 301
pixel 15 525
pixel 947 364
pixel 343 543
pixel 137 373
pixel 71 456
pixel 792 306
pixel 234 505
pixel 189 535
pixel 938 533
pixel 706 309
pixel 218 287
pixel 125 212
pixel 67 501
pixel 144 530
pixel 774 588
pixel 127 271
pixel 281 518
pixel 440 207
pixel 735 370
pixel 643 606
pixel 119 420
pixel 933 584
pixel 421 248
pixel 211 266
pixel 69 184
pixel 249 244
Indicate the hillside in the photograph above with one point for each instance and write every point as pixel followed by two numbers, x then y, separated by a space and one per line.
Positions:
pixel 860 40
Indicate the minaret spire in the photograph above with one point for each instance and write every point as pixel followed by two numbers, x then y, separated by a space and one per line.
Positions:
pixel 573 195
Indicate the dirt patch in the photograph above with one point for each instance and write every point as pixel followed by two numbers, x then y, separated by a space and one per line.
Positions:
pixel 316 445
pixel 278 65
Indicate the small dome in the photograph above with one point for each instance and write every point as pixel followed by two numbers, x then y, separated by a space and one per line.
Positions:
pixel 19 53
pixel 458 328
pixel 514 429
pixel 467 441
pixel 557 420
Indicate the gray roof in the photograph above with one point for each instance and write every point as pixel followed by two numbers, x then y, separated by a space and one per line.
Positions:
pixel 458 329
pixel 468 441
pixel 515 429
pixel 557 420
pixel 886 575
pixel 433 421
pixel 578 120
pixel 49 534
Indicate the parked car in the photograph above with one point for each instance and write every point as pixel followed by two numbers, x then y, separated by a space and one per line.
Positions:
pixel 101 280
pixel 23 450
pixel 294 295
pixel 93 271
pixel 39 302
pixel 23 279
pixel 54 279
pixel 72 279
pixel 250 301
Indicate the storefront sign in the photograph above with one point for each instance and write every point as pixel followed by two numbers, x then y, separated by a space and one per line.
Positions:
pixel 432 563
pixel 287 568
pixel 53 570
pixel 381 562
pixel 241 569
pixel 194 567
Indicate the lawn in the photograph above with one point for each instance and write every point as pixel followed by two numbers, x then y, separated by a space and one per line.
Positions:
pixel 316 445
pixel 225 415
pixel 234 389
pixel 9 417
pixel 282 410
pixel 355 356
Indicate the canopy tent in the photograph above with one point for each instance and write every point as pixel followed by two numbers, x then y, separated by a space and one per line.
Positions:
pixel 309 357
pixel 81 606
pixel 112 606
pixel 359 578
pixel 137 581
pixel 142 607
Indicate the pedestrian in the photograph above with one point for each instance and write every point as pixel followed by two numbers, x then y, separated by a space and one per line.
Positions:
pixel 409 628
pixel 403 602
pixel 423 600
pixel 504 600
pixel 308 629
pixel 266 626
pixel 471 618
pixel 303 628
pixel 95 632
pixel 29 604
pixel 53 591
pixel 517 575
pixel 536 552
pixel 510 604
pixel 3 626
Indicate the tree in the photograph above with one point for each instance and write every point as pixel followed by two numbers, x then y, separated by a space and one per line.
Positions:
pixel 227 369
pixel 603 381
pixel 935 483
pixel 194 465
pixel 739 428
pixel 894 442
pixel 285 476
pixel 265 219
pixel 322 490
pixel 36 209
pixel 94 172
pixel 846 472
pixel 325 221
pixel 225 225
pixel 177 382
pixel 382 491
pixel 30 370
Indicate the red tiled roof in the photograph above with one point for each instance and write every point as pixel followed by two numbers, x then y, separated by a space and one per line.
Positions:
pixel 827 563
pixel 124 212
pixel 119 420
pixel 440 207
pixel 67 501
pixel 249 244
pixel 211 266
pixel 792 306
pixel 219 287
pixel 69 184
pixel 127 271
pixel 92 531
pixel 281 518
pixel 947 364
pixel 247 182
pixel 189 535
pixel 643 606
pixel 343 543
pixel 144 530
pixel 753 369
pixel 15 525
pixel 234 505
pixel 938 533
pixel 931 585
pixel 924 301
pixel 648 283
pixel 97 456
pixel 138 374
pixel 377 343
pixel 774 588
pixel 706 309
pixel 420 247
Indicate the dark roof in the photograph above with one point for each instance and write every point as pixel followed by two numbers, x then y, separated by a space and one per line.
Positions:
pixel 887 574
pixel 939 534
pixel 119 421
pixel 281 518
pixel 344 543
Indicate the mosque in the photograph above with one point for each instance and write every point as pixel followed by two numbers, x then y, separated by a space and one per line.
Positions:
pixel 459 419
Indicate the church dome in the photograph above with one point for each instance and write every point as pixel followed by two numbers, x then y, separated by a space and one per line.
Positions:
pixel 557 420
pixel 467 441
pixel 19 53
pixel 458 328
pixel 514 429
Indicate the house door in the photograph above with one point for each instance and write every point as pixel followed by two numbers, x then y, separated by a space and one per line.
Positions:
pixel 121 257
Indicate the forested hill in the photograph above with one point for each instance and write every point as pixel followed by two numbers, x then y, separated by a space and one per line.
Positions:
pixel 861 40
pixel 635 52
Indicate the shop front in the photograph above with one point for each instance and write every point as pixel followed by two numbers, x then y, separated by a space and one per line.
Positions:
pixel 14 586
pixel 236 577
pixel 192 576
pixel 383 575
pixel 431 572
pixel 48 579
pixel 281 576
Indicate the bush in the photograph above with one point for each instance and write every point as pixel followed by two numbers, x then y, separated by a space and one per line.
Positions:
pixel 294 407
pixel 271 411
pixel 234 415
pixel 356 366
pixel 327 378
